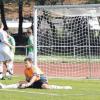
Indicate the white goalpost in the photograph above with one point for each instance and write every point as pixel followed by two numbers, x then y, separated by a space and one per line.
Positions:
pixel 67 40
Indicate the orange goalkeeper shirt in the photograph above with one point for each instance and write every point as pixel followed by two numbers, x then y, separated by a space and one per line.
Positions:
pixel 30 72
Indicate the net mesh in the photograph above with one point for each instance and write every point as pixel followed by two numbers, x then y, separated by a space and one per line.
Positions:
pixel 68 40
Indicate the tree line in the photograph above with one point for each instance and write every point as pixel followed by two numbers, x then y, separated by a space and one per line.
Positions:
pixel 20 9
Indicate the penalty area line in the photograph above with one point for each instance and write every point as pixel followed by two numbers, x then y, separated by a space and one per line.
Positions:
pixel 49 94
pixel 40 93
pixel 44 93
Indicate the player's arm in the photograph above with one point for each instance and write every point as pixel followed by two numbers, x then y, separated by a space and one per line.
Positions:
pixel 31 42
pixel 13 43
pixel 9 44
pixel 4 40
pixel 33 79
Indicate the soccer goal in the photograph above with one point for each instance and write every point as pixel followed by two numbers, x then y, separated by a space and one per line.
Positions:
pixel 67 40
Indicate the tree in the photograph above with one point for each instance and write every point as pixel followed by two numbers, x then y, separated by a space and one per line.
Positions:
pixel 48 2
pixel 94 1
pixel 40 2
pixel 3 15
pixel 20 29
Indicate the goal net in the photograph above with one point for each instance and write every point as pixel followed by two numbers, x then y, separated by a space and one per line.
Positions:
pixel 67 40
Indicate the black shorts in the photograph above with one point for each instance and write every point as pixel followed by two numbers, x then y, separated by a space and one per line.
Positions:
pixel 40 82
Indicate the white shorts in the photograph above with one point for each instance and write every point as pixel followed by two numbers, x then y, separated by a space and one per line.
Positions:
pixel 5 54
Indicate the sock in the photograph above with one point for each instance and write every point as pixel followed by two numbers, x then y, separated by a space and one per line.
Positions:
pixel 13 86
pixel 10 67
pixel 59 87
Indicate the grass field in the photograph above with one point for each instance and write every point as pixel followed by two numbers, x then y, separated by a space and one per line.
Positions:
pixel 82 90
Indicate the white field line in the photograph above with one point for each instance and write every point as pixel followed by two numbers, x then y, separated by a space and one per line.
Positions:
pixel 49 94
pixel 21 91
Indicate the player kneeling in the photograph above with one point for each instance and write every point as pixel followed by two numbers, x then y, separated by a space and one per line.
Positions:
pixel 34 79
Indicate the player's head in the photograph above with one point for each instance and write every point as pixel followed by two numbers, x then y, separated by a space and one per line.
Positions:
pixel 28 62
pixel 8 32
pixel 29 32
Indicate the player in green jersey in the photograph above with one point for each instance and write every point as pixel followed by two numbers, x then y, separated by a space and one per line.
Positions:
pixel 30 45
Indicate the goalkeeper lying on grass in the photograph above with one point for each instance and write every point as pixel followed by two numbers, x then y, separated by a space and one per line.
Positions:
pixel 34 79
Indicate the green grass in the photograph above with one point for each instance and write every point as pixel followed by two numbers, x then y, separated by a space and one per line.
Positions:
pixel 82 90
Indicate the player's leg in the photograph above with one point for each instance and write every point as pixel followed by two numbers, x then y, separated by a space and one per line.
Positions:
pixel 1 70
pixel 1 65
pixel 13 86
pixel 9 72
pixel 59 87
pixel 9 64
pixel 4 86
pixel 44 85
pixel 43 82
pixel 5 54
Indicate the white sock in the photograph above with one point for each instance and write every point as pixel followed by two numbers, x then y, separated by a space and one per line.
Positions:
pixel 14 86
pixel 10 67
pixel 59 87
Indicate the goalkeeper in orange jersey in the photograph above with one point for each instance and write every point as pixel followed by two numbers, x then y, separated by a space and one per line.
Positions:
pixel 34 76
pixel 34 79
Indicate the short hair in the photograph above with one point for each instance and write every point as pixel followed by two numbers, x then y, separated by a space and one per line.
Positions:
pixel 29 31
pixel 28 59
